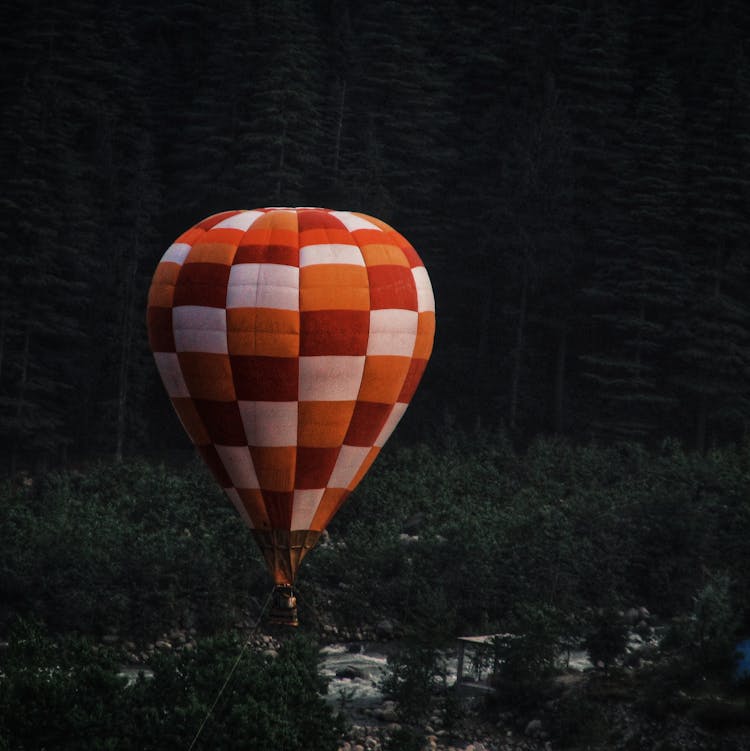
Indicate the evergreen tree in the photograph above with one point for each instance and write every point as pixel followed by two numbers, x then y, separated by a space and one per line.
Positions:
pixel 641 288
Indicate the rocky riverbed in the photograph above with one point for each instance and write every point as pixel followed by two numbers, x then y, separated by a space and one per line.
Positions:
pixel 583 707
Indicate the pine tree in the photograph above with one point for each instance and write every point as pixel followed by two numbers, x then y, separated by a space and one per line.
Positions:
pixel 641 288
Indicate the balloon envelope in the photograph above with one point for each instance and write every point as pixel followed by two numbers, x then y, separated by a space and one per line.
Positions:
pixel 290 342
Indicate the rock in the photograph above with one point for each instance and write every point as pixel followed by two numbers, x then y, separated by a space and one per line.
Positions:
pixel 359 747
pixel 350 672
pixel 632 616
pixel 643 628
pixel 385 629
pixel 163 644
pixel 534 728
pixel 414 523
pixel 110 639
pixel 387 712
pixel 632 660
pixel 130 646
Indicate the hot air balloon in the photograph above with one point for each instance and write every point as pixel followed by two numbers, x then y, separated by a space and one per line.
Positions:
pixel 290 342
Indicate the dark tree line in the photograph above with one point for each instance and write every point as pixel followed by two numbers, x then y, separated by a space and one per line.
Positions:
pixel 575 176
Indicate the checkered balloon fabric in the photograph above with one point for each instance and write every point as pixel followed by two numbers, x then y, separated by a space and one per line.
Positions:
pixel 290 342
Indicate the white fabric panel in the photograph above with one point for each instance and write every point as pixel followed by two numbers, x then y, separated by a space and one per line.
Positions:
pixel 269 423
pixel 239 466
pixel 310 255
pixel 241 221
pixel 393 331
pixel 168 365
pixel 263 285
pixel 176 253
pixel 390 424
pixel 234 497
pixel 198 328
pixel 304 506
pixel 330 377
pixel 425 297
pixel 349 461
pixel 352 222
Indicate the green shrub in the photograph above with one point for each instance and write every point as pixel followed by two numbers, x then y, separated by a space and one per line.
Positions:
pixel 67 694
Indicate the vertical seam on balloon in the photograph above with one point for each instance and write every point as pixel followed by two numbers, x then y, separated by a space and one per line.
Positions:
pixel 390 411
pixel 234 385
pixel 299 337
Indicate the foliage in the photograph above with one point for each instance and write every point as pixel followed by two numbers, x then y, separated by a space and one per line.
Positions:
pixel 497 540
pixel 412 678
pixel 65 694
pixel 527 657
pixel 607 638
pixel 129 547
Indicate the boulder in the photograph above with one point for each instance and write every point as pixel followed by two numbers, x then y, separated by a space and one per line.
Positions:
pixel 534 728
pixel 350 672
pixel 414 523
pixel 385 629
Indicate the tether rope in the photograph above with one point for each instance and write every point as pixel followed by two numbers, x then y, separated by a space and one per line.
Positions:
pixel 231 673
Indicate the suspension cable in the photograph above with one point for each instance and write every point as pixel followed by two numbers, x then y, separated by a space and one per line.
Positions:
pixel 231 673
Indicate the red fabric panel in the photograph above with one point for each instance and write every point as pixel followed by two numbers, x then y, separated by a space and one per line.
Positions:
pixel 287 255
pixel 367 421
pixel 314 467
pixel 160 335
pixel 334 332
pixel 222 421
pixel 265 379
pixel 392 287
pixel 202 284
pixel 317 219
pixel 413 377
pixel 279 508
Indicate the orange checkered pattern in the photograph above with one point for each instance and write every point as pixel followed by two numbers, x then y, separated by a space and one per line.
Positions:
pixel 290 342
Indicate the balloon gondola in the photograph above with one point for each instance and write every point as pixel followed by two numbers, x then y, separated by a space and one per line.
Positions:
pixel 290 342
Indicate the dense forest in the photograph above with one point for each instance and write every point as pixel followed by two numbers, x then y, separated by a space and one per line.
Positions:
pixel 574 175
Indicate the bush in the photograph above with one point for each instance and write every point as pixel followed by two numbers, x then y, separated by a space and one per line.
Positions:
pixel 412 678
pixel 67 694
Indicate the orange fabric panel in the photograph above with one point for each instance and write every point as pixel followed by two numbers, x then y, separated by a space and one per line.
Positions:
pixel 383 378
pixel 332 500
pixel 191 421
pixel 274 467
pixel 205 251
pixel 382 254
pixel 208 376
pixel 266 332
pixel 255 506
pixel 190 236
pixel 425 335
pixel 161 292
pixel 323 424
pixel 334 286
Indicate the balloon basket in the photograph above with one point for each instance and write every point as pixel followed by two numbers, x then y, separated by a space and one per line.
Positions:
pixel 283 606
